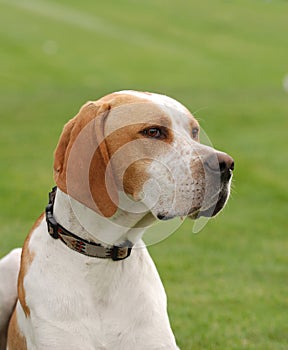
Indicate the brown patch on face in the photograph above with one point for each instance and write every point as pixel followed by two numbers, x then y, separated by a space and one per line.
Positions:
pixel 130 150
pixel 115 115
pixel 26 260
pixel 134 178
pixel 16 340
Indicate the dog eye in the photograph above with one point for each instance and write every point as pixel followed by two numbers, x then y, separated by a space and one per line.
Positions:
pixel 154 133
pixel 195 132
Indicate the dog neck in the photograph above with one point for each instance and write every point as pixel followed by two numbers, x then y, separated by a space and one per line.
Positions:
pixel 129 224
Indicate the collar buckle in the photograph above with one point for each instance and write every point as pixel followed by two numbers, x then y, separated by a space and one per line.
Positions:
pixel 51 222
pixel 121 251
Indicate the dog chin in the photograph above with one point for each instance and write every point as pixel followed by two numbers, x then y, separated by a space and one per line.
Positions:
pixel 214 209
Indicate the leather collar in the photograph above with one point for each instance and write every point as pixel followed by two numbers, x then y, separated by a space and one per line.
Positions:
pixel 80 245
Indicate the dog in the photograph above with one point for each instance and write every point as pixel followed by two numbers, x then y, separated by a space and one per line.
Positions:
pixel 86 279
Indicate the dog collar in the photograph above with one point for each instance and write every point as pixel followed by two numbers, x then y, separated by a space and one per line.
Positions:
pixel 80 245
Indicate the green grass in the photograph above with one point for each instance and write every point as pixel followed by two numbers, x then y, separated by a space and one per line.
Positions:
pixel 228 285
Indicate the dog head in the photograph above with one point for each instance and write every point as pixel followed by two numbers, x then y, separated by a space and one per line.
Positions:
pixel 146 146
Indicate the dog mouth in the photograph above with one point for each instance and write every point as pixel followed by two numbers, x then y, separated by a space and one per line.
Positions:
pixel 197 212
pixel 213 209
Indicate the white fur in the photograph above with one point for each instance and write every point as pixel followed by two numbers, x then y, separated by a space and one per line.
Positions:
pixel 86 303
pixel 9 268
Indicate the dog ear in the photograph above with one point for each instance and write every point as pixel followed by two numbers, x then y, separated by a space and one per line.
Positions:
pixel 59 155
pixel 81 165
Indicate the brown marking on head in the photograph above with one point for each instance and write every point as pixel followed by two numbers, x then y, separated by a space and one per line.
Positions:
pixel 131 151
pixel 118 99
pixel 16 340
pixel 110 123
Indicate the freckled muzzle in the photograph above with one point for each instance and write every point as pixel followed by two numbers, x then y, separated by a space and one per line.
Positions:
pixel 193 183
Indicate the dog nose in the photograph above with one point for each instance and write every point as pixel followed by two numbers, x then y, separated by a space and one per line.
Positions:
pixel 220 162
pixel 225 162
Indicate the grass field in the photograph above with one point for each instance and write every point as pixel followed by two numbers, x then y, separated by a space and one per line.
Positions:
pixel 227 286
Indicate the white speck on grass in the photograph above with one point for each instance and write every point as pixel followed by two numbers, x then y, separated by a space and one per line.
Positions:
pixel 285 83
pixel 50 47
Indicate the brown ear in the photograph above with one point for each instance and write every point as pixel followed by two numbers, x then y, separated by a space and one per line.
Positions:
pixel 81 165
pixel 59 155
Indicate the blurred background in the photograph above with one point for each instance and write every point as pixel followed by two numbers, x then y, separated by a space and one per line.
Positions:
pixel 226 61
